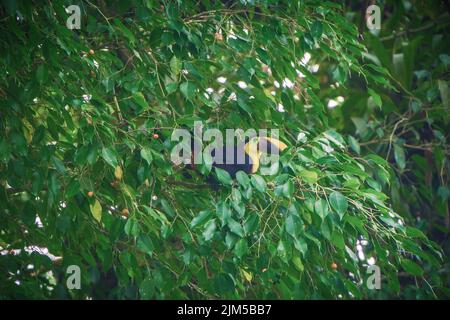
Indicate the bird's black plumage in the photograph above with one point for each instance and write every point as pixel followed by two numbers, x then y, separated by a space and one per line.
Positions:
pixel 241 157
pixel 234 159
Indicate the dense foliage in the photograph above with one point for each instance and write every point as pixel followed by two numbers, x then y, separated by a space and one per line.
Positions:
pixel 85 171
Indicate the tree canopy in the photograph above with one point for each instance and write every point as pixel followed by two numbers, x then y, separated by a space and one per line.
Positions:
pixel 86 117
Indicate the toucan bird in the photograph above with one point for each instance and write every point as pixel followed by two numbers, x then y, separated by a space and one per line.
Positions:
pixel 246 156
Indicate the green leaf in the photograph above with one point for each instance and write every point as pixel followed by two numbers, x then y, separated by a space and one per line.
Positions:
pixel 325 229
pixel 354 144
pixel 389 221
pixel 288 189
pixel 361 126
pixel 258 182
pixel 241 248
pixel 188 89
pixel 412 268
pixel 171 87
pixel 110 157
pixel 96 210
pixel 445 58
pixel 298 264
pixel 241 103
pixel 167 208
pixel 147 288
pixel 72 189
pixel 223 176
pixel 415 233
pixel 146 154
pixel 339 74
pixel 145 244
pixel 251 223
pixel 200 219
pixel 175 66
pixel 416 105
pixel 41 73
pixel 5 150
pixel 399 154
pixel 352 183
pixel 281 249
pixel 301 245
pixel 235 227
pixel 236 196
pixel 132 228
pixel 378 160
pixel 353 288
pixel 125 31
pixel 223 212
pixel 339 203
pixel 376 98
pixel 351 254
pixel 291 226
pixel 338 240
pixel 139 98
pixel 321 208
pixel 210 229
pixel 309 176
pixel 316 29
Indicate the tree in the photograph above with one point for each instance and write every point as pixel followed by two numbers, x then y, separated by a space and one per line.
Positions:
pixel 87 116
pixel 407 126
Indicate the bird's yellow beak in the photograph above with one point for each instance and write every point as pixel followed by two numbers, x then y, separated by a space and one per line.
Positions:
pixel 255 147
pixel 251 148
pixel 271 144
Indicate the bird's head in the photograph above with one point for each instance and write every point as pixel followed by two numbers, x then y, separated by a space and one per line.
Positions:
pixel 256 146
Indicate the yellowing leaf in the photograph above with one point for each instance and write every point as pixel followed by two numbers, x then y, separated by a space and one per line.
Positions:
pixel 28 130
pixel 247 275
pixel 118 173
pixel 96 210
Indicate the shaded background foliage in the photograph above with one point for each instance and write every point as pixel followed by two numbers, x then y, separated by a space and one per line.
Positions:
pixel 84 176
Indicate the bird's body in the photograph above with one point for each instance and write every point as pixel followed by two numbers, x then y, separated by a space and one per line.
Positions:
pixel 234 159
pixel 245 156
